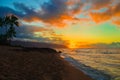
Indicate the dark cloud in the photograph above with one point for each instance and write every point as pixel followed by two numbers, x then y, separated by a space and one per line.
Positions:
pixel 6 10
pixel 53 9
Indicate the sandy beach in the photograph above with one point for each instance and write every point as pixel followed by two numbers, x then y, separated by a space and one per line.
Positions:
pixel 17 63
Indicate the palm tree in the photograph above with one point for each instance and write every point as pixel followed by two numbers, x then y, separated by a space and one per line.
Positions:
pixel 11 21
pixel 2 37
pixel 1 22
pixel 11 33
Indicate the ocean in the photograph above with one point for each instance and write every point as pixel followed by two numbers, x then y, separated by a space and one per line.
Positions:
pixel 100 64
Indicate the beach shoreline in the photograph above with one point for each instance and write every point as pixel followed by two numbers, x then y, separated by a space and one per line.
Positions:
pixel 36 63
pixel 94 73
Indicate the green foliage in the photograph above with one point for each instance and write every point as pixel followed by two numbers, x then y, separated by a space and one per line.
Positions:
pixel 9 22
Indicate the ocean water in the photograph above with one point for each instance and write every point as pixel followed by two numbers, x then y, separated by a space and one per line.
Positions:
pixel 100 64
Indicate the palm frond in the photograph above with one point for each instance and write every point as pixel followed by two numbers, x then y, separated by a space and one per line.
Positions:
pixel 7 19
pixel 14 18
pixel 16 23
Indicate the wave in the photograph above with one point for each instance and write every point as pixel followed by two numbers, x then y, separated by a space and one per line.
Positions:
pixel 94 73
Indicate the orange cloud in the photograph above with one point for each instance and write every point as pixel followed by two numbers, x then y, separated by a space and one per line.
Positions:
pixel 112 12
pixel 117 22
pixel 60 21
pixel 100 17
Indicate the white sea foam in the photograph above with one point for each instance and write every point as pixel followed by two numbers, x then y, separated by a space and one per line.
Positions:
pixel 100 64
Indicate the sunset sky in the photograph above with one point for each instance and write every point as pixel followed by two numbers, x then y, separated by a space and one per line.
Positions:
pixel 75 23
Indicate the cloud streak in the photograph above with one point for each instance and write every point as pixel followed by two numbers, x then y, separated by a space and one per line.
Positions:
pixel 61 13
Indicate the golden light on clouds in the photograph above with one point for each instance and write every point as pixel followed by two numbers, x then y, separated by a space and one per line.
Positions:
pixel 74 23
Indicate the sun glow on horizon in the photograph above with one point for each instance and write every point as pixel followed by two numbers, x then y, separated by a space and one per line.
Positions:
pixel 76 44
pixel 72 45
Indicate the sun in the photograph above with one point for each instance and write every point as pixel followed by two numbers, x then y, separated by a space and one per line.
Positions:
pixel 72 45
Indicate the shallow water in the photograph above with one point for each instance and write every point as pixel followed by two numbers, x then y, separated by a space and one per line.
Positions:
pixel 101 64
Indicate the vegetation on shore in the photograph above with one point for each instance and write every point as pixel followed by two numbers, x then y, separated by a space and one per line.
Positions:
pixel 7 26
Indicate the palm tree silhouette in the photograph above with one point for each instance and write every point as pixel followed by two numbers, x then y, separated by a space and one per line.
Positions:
pixel 1 22
pixel 2 37
pixel 11 21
